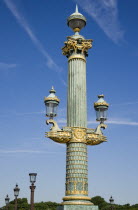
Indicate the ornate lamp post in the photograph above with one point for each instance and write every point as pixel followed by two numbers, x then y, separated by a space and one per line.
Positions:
pixel 7 199
pixel 32 187
pixel 16 194
pixel 111 200
pixel 76 135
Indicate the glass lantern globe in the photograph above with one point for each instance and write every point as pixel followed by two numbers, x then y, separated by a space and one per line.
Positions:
pixel 101 107
pixel 16 191
pixel 33 177
pixel 76 24
pixel 51 103
pixel 7 199
pixel 76 21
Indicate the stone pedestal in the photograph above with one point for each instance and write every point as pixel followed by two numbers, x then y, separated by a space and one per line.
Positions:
pixel 77 207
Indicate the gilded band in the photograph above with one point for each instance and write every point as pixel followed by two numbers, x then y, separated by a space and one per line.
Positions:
pixel 66 198
pixel 76 203
pixel 77 56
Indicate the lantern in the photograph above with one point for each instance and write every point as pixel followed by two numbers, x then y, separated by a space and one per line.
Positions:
pixel 101 107
pixel 51 103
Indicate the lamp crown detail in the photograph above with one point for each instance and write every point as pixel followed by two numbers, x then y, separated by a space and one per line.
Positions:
pixel 76 21
pixel 101 96
pixel 52 90
pixel 51 103
pixel 101 101
pixel 51 96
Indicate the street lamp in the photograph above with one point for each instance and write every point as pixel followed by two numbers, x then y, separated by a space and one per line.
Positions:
pixel 111 200
pixel 32 187
pixel 51 103
pixel 7 199
pixel 101 107
pixel 16 194
pixel 75 134
pixel 76 21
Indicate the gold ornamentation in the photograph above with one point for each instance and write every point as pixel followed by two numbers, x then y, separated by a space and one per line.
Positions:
pixel 70 177
pixel 51 99
pixel 76 168
pixel 75 186
pixel 59 136
pixel 104 103
pixel 76 173
pixel 94 139
pixel 76 192
pixel 76 164
pixel 66 198
pixel 76 151
pixel 76 159
pixel 76 30
pixel 72 44
pixel 76 203
pixel 77 154
pixel 76 135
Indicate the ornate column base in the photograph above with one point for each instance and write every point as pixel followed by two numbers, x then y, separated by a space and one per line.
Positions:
pixel 77 207
pixel 77 203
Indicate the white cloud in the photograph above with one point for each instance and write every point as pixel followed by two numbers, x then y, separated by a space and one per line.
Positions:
pixel 119 122
pixel 125 103
pixel 116 122
pixel 24 24
pixel 6 66
pixel 25 151
pixel 29 113
pixel 105 13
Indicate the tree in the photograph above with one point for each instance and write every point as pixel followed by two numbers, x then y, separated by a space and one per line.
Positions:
pixel 99 201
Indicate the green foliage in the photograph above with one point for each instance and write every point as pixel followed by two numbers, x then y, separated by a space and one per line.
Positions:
pixel 23 205
pixel 103 205
pixel 97 200
pixel 46 205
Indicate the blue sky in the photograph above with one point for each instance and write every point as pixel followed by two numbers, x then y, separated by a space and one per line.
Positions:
pixel 31 61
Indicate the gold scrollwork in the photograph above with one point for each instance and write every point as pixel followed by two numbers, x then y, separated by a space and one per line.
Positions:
pixel 76 135
pixel 59 136
pixel 94 139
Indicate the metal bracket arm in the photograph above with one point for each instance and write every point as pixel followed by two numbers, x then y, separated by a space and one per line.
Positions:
pixel 76 134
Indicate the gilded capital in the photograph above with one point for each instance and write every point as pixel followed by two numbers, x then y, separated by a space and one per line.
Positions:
pixel 76 46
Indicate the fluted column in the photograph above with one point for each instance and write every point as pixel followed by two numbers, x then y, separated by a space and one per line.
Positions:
pixel 76 106
pixel 76 155
pixel 76 50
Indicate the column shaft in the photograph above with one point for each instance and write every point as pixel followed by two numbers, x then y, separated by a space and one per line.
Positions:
pixel 76 106
pixel 76 159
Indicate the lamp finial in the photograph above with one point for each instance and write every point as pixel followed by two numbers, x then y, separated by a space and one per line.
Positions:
pixel 77 11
